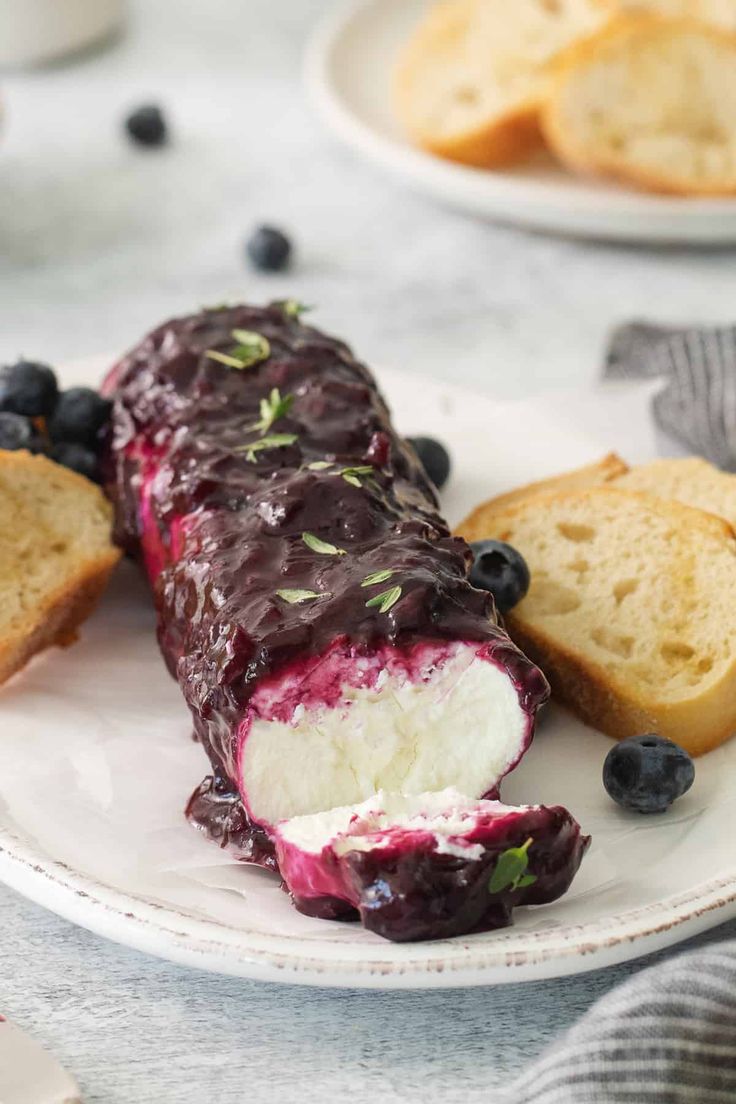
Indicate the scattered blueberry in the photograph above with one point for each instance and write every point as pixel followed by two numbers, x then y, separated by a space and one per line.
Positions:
pixel 268 249
pixel 28 388
pixel 647 773
pixel 434 457
pixel 76 457
pixel 79 416
pixel 498 567
pixel 17 432
pixel 147 125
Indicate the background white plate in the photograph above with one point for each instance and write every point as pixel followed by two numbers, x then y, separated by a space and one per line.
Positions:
pixel 96 764
pixel 348 72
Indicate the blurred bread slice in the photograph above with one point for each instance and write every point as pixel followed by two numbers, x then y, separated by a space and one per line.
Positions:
pixel 651 102
pixel 720 13
pixel 627 612
pixel 469 83
pixel 690 480
pixel 56 555
pixel 479 523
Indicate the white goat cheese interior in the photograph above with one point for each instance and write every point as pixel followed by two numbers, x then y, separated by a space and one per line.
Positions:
pixel 463 726
pixel 446 814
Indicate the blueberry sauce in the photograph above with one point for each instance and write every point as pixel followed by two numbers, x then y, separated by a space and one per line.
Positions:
pixel 219 529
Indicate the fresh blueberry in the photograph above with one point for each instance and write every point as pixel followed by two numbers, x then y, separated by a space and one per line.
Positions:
pixel 147 125
pixel 268 249
pixel 647 773
pixel 17 432
pixel 498 567
pixel 434 457
pixel 76 457
pixel 28 388
pixel 79 416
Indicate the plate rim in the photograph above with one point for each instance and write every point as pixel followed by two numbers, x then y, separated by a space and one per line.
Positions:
pixel 136 922
pixel 626 216
pixel 509 956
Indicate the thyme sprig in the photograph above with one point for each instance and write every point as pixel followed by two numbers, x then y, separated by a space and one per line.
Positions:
pixel 385 600
pixel 274 440
pixel 251 348
pixel 510 871
pixel 274 407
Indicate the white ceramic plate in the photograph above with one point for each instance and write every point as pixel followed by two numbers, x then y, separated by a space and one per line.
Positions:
pixel 348 72
pixel 96 764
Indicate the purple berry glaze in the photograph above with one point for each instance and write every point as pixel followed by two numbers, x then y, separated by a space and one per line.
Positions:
pixel 406 889
pixel 219 535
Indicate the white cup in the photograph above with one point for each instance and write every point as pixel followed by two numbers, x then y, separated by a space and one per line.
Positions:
pixel 35 31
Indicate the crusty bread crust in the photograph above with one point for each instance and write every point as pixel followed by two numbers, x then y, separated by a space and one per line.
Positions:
pixel 630 32
pixel 476 525
pixel 698 722
pixel 499 138
pixel 699 725
pixel 54 616
pixel 498 141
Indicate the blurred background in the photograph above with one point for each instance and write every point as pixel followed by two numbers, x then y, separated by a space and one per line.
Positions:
pixel 101 238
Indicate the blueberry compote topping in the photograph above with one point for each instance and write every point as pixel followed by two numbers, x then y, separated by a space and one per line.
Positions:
pixel 216 499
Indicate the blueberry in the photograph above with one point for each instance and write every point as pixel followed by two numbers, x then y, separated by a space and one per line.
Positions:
pixel 268 249
pixel 501 569
pixel 17 432
pixel 76 457
pixel 79 416
pixel 28 388
pixel 647 773
pixel 147 125
pixel 434 457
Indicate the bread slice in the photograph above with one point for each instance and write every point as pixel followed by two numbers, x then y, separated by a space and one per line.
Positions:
pixel 56 555
pixel 651 102
pixel 720 13
pixel 479 522
pixel 470 81
pixel 690 480
pixel 628 610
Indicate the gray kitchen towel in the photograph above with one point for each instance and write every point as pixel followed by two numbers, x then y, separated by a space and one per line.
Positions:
pixel 697 405
pixel 666 1036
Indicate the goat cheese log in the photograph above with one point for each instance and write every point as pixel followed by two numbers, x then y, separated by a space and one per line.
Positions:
pixel 317 614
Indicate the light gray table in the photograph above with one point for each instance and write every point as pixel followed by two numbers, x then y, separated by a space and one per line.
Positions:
pixel 98 241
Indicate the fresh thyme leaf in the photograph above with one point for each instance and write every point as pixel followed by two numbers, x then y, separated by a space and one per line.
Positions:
pixel 321 546
pixel 350 475
pixel 510 871
pixel 377 577
pixel 251 348
pixel 363 469
pixel 385 600
pixel 319 465
pixel 294 597
pixel 294 309
pixel 275 440
pixel 273 408
pixel 225 358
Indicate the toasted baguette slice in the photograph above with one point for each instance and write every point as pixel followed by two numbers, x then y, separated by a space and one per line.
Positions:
pixel 479 523
pixel 56 555
pixel 470 81
pixel 628 611
pixel 690 480
pixel 651 102
pixel 720 13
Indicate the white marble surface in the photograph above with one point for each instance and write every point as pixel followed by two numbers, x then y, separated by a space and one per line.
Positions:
pixel 97 242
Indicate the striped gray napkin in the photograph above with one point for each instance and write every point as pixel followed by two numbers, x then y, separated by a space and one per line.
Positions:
pixel 697 405
pixel 666 1036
